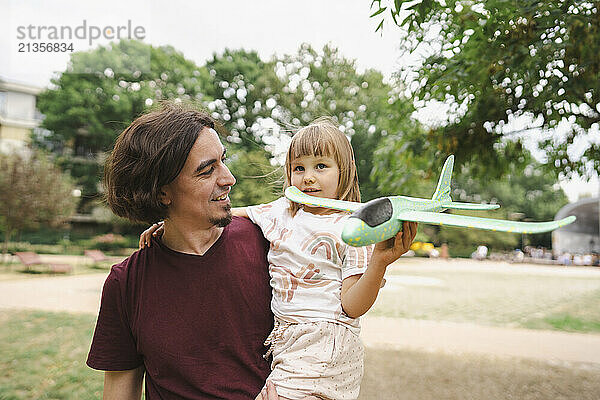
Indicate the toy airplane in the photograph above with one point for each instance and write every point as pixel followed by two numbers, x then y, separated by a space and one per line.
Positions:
pixel 381 218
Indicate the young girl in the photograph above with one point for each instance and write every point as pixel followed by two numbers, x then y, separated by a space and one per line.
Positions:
pixel 320 284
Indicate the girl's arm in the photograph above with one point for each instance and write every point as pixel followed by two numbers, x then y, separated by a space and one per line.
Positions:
pixel 360 291
pixel 239 212
pixel 157 229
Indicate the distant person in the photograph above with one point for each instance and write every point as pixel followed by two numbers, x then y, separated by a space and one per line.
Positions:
pixel 480 253
pixel 518 256
pixel 320 284
pixel 444 251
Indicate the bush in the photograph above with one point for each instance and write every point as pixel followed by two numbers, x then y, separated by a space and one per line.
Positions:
pixel 13 247
pixel 109 242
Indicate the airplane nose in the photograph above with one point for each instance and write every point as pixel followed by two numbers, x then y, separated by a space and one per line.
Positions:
pixel 354 231
pixel 375 212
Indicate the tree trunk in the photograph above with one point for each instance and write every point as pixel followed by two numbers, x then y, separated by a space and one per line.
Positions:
pixel 5 247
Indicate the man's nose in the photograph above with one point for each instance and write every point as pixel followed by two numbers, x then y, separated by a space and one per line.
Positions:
pixel 226 178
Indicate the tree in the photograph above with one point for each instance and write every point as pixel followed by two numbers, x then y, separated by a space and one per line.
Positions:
pixel 311 84
pixel 239 86
pixel 257 181
pixel 101 93
pixel 257 103
pixel 32 191
pixel 496 61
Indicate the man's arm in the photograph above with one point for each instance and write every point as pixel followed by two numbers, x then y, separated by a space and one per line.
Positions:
pixel 123 385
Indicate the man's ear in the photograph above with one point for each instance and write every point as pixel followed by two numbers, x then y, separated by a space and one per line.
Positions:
pixel 165 195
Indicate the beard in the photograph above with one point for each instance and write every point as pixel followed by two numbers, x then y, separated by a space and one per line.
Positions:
pixel 222 222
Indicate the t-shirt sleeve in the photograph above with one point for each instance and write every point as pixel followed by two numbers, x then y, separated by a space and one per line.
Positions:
pixel 264 214
pixel 113 346
pixel 356 260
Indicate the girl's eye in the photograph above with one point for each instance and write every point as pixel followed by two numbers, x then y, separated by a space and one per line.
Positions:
pixel 321 166
pixel 299 168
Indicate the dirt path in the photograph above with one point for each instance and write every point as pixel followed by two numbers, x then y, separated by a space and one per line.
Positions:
pixel 459 338
pixel 81 294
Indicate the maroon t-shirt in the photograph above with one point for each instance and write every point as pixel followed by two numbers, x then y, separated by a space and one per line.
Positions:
pixel 196 323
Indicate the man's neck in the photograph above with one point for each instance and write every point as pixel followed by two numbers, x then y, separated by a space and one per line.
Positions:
pixel 190 238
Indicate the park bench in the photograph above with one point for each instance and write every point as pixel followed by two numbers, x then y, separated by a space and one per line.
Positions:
pixel 29 259
pixel 96 255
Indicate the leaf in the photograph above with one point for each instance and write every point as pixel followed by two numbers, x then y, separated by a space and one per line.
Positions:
pixel 398 5
pixel 378 12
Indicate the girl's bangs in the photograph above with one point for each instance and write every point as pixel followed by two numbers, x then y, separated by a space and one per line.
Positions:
pixel 311 142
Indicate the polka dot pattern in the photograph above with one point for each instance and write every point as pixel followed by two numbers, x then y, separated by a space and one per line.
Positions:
pixel 322 359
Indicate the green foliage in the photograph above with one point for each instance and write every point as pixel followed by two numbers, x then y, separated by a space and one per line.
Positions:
pixel 257 181
pixel 105 89
pixel 102 92
pixel 109 242
pixel 528 193
pixel 312 83
pixel 32 191
pixel 494 61
pixel 13 247
pixel 238 83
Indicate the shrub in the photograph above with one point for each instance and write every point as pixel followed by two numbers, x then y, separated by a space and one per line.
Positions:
pixel 108 242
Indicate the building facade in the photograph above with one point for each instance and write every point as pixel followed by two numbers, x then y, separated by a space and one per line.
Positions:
pixel 18 114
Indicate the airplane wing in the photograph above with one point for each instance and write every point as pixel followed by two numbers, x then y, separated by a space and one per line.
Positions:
pixel 482 223
pixel 295 195
pixel 469 206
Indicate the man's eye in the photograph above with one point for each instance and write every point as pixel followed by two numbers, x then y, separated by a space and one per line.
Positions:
pixel 207 172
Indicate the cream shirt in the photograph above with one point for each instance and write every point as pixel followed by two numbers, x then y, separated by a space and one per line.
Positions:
pixel 308 262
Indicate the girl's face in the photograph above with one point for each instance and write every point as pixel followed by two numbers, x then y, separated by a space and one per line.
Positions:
pixel 316 175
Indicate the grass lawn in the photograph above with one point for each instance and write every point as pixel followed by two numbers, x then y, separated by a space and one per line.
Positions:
pixel 42 356
pixel 509 296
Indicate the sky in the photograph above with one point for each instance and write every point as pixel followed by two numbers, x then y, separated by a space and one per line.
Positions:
pixel 201 28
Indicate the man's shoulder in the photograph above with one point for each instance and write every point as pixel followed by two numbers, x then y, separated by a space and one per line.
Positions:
pixel 243 232
pixel 121 270
pixel 241 225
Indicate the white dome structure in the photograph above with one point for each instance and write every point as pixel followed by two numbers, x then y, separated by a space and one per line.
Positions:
pixel 583 235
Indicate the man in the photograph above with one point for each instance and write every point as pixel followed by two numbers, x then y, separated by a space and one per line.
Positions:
pixel 190 312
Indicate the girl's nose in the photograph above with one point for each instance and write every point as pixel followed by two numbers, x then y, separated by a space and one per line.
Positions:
pixel 309 178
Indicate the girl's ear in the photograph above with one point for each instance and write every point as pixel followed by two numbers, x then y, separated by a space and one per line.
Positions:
pixel 165 195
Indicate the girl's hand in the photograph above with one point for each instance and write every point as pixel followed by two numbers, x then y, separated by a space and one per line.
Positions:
pixel 388 251
pixel 155 230
pixel 270 393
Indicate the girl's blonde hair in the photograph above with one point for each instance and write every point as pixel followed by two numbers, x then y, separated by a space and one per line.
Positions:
pixel 322 138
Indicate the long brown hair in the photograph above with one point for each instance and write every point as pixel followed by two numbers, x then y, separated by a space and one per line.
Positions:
pixel 149 154
pixel 322 138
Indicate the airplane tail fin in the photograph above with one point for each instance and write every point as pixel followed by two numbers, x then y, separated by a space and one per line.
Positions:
pixel 442 192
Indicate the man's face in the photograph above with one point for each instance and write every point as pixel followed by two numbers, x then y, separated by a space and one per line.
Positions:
pixel 200 191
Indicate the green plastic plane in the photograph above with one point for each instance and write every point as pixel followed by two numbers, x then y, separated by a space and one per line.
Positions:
pixel 381 218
